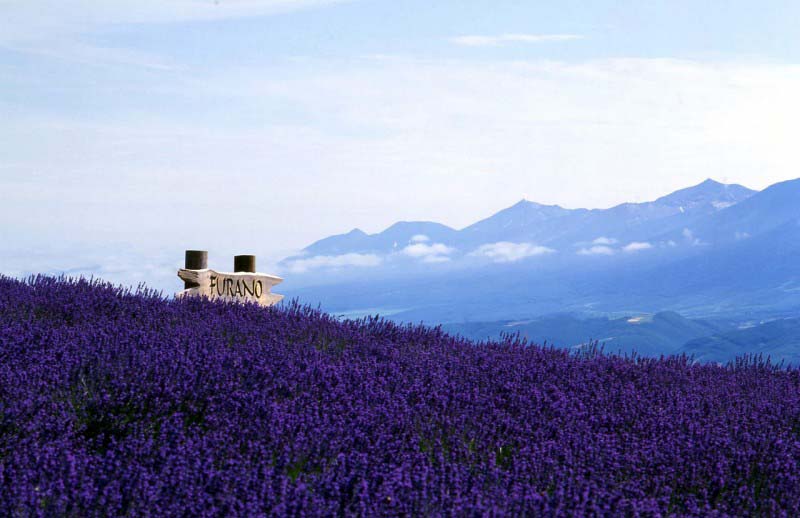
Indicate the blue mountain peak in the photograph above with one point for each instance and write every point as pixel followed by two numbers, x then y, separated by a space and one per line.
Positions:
pixel 708 192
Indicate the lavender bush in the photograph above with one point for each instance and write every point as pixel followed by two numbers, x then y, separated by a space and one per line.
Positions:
pixel 114 402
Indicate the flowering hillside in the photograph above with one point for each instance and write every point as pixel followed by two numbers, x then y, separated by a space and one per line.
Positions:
pixel 118 403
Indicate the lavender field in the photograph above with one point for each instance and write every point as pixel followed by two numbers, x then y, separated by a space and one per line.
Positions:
pixel 121 403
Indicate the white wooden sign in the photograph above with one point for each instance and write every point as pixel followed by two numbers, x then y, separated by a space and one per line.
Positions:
pixel 241 286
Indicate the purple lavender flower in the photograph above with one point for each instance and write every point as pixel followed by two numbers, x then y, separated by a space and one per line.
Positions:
pixel 121 402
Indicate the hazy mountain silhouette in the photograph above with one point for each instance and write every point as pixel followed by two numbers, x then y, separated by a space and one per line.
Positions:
pixel 549 225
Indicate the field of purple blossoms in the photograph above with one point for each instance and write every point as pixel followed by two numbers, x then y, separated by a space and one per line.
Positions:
pixel 114 402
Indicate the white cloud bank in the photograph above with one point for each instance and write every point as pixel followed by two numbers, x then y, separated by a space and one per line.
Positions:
pixel 508 252
pixel 333 261
pixel 433 253
pixel 690 238
pixel 596 250
pixel 502 39
pixel 420 238
pixel 637 246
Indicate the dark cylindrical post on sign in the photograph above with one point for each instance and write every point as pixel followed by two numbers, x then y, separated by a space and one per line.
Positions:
pixel 195 260
pixel 244 263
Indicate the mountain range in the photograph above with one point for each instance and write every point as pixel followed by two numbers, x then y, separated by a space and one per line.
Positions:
pixel 549 225
pixel 713 251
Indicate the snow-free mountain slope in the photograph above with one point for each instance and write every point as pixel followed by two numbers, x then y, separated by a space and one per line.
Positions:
pixel 552 226
pixel 705 196
pixel 523 221
pixel 777 339
pixel 774 206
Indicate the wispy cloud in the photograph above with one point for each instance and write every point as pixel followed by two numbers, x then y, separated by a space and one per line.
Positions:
pixel 508 252
pixel 49 20
pixel 48 29
pixel 420 238
pixel 503 39
pixel 604 241
pixel 67 49
pixel 555 116
pixel 333 261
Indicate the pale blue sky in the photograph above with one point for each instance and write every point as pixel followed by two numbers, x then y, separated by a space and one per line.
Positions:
pixel 262 125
